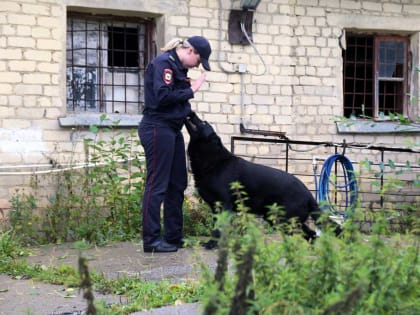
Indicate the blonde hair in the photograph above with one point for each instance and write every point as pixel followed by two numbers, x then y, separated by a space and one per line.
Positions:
pixel 175 43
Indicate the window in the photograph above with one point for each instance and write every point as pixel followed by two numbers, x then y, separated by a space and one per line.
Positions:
pixel 106 58
pixel 375 76
pixel 123 46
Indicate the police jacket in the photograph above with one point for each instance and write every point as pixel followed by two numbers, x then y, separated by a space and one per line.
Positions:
pixel 167 91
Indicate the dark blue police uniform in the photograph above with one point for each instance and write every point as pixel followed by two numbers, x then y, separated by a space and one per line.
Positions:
pixel 167 94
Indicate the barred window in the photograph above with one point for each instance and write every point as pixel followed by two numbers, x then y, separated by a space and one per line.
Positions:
pixel 106 59
pixel 375 75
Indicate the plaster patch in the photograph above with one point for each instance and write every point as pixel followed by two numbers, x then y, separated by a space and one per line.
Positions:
pixel 21 140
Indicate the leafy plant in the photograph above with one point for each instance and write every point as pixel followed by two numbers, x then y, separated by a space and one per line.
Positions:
pixel 24 218
pixel 387 179
pixel 10 246
pixel 283 274
pixel 198 217
pixel 98 203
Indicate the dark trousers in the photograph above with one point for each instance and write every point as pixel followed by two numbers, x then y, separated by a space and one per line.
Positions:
pixel 166 181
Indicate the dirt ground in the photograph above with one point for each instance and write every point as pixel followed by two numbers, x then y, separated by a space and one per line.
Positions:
pixel 30 297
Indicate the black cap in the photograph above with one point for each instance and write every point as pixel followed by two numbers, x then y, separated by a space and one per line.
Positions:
pixel 202 46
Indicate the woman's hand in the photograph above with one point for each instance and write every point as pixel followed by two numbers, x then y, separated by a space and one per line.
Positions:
pixel 195 86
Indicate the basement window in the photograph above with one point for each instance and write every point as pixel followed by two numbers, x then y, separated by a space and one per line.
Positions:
pixel 106 59
pixel 375 76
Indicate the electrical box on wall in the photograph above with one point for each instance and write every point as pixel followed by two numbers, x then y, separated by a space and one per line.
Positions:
pixel 235 32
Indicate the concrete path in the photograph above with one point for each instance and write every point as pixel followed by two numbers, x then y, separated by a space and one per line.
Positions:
pixel 28 297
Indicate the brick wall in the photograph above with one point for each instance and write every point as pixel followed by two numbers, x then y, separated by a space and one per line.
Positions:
pixel 299 93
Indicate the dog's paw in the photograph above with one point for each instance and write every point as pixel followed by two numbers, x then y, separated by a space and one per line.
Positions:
pixel 210 244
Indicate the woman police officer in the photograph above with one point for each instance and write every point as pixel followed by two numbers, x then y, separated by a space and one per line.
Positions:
pixel 168 90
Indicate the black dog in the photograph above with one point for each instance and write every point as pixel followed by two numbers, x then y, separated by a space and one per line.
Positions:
pixel 214 168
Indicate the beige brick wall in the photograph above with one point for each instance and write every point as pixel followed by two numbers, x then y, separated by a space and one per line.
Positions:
pixel 299 92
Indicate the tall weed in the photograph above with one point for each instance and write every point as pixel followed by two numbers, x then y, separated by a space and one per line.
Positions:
pixel 283 274
pixel 98 203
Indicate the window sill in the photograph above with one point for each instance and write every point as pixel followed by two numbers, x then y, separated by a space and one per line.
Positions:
pixel 87 119
pixel 370 126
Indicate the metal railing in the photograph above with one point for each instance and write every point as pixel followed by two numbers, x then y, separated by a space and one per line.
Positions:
pixel 388 177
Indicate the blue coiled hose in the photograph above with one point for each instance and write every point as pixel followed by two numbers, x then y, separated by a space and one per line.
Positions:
pixel 350 185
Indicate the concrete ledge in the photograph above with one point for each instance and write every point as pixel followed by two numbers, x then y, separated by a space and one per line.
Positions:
pixel 86 120
pixel 370 126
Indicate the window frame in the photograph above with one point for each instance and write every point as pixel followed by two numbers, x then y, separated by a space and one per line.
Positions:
pixel 375 124
pixel 404 80
pixel 374 108
pixel 149 51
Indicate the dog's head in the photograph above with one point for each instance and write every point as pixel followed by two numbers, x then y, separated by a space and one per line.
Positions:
pixel 205 149
pixel 197 128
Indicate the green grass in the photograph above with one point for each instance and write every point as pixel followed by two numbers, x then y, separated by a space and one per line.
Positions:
pixel 139 294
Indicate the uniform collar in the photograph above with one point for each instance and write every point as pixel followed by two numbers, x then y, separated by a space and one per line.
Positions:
pixel 174 57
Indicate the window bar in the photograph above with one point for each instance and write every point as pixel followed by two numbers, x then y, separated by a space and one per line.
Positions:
pixel 72 65
pixel 354 75
pixel 85 66
pixel 395 98
pixel 143 53
pixel 74 74
pixel 140 67
pixel 358 74
pixel 99 51
pixel 111 67
pixel 365 81
pixel 125 67
pixel 344 54
pixel 385 96
pixel 142 59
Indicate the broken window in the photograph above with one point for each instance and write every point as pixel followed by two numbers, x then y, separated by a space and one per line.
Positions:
pixel 106 58
pixel 375 76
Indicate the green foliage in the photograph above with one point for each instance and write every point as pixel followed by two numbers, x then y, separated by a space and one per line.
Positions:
pixel 270 274
pixel 23 218
pixel 389 178
pixel 10 246
pixel 283 274
pixel 20 269
pixel 148 294
pixel 198 218
pixel 99 203
pixel 138 293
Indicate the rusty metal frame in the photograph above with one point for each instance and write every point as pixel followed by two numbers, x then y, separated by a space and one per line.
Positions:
pixel 358 60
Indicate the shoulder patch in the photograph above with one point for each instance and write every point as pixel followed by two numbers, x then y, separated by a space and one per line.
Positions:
pixel 167 76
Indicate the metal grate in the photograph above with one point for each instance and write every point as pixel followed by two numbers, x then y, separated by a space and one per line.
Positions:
pixel 375 76
pixel 388 178
pixel 106 59
pixel 390 97
pixel 358 76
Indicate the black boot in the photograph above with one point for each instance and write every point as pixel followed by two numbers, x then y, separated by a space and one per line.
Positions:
pixel 159 246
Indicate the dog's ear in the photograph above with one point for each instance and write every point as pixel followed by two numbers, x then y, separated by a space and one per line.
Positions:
pixel 191 127
pixel 192 118
pixel 191 115
pixel 192 122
